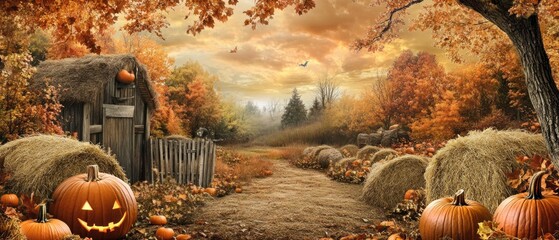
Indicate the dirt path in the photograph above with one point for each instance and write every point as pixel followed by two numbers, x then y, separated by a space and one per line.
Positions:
pixel 291 204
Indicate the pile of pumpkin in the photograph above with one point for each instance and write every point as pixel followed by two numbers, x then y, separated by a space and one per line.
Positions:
pixel 95 205
pixel 354 171
pixel 427 149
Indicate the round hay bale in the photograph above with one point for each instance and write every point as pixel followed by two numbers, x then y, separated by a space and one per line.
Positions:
pixel 307 151
pixel 349 150
pixel 177 137
pixel 315 151
pixel 327 156
pixel 366 152
pixel 9 228
pixel 39 163
pixel 479 163
pixel 385 153
pixel 386 185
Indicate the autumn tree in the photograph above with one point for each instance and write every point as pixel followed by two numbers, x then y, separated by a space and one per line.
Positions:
pixel 327 90
pixel 316 110
pixel 294 113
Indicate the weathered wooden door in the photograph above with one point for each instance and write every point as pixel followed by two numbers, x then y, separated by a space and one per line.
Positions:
pixel 118 134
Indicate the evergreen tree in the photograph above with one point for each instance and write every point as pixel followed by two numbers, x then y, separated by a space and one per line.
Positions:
pixel 316 110
pixel 295 112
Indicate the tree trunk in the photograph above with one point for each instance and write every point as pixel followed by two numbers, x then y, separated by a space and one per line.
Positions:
pixel 526 37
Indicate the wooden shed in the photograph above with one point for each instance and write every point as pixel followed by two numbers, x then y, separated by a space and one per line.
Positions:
pixel 100 109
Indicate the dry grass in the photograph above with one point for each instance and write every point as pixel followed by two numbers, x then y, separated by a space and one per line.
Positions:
pixel 9 227
pixel 382 154
pixel 290 152
pixel 366 152
pixel 39 163
pixel 386 185
pixel 349 150
pixel 312 134
pixel 242 167
pixel 479 163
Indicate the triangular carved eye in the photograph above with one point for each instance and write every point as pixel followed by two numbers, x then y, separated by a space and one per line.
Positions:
pixel 87 207
pixel 116 205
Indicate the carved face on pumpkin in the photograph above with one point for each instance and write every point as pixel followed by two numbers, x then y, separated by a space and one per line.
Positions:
pixel 95 205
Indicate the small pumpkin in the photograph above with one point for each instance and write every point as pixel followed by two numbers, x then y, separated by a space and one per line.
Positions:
pixel 411 194
pixel 530 214
pixel 453 217
pixel 348 173
pixel 409 150
pixel 356 163
pixel 211 191
pixel 9 200
pixel 184 237
pixel 158 220
pixel 238 190
pixel 95 205
pixel 125 77
pixel 164 233
pixel 43 228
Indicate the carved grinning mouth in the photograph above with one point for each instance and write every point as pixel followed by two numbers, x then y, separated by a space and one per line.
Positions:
pixel 102 229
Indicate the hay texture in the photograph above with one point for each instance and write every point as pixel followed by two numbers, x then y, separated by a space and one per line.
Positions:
pixel 328 156
pixel 386 185
pixel 9 228
pixel 39 163
pixel 349 150
pixel 479 163
pixel 366 152
pixel 307 151
pixel 382 154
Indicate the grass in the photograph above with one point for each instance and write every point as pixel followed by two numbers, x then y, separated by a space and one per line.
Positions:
pixel 241 166
pixel 312 134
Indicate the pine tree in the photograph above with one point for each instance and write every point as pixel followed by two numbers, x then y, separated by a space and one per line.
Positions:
pixel 316 110
pixel 295 112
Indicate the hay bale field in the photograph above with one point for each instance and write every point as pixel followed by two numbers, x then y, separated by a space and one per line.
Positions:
pixel 479 163
pixel 39 163
pixel 328 156
pixel 384 153
pixel 366 152
pixel 386 185
pixel 349 150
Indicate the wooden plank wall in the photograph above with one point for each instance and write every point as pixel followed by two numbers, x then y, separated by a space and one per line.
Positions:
pixel 186 161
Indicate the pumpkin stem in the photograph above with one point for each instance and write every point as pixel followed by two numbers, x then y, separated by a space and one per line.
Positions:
pixel 459 198
pixel 42 217
pixel 92 173
pixel 535 188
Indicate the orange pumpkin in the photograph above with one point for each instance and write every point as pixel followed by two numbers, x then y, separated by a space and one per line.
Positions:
pixel 43 228
pixel 158 220
pixel 456 218
pixel 430 150
pixel 409 150
pixel 238 190
pixel 356 163
pixel 211 191
pixel 9 200
pixel 125 77
pixel 163 233
pixel 348 173
pixel 184 237
pixel 95 205
pixel 397 236
pixel 410 194
pixel 530 214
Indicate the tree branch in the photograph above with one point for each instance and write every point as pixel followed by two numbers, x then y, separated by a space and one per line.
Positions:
pixel 389 21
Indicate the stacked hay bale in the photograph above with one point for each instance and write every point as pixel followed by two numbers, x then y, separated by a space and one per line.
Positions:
pixel 386 185
pixel 39 163
pixel 366 152
pixel 328 156
pixel 349 150
pixel 309 158
pixel 479 163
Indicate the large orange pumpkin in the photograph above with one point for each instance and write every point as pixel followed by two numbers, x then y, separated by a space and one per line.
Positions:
pixel 530 214
pixel 95 205
pixel 456 218
pixel 125 77
pixel 43 228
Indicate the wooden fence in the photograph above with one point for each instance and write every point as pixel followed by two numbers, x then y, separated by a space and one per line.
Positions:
pixel 187 161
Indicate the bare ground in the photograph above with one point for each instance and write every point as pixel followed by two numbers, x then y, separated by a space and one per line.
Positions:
pixel 291 204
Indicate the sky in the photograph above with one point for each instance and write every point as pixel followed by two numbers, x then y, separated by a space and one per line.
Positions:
pixel 266 65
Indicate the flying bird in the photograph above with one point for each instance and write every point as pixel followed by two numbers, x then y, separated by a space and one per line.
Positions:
pixel 304 64
pixel 234 50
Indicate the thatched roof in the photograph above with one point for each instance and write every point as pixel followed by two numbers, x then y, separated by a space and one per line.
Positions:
pixel 82 79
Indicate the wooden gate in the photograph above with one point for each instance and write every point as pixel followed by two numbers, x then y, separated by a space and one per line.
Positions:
pixel 118 134
pixel 187 161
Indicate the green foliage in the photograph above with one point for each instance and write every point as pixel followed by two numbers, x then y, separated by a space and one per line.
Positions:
pixel 315 111
pixel 295 113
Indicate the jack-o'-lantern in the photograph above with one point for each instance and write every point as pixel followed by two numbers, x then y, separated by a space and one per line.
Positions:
pixel 95 205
